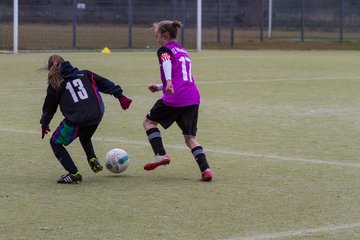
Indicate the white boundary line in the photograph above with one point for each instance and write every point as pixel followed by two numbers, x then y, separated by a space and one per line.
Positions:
pixel 219 82
pixel 215 151
pixel 281 80
pixel 301 233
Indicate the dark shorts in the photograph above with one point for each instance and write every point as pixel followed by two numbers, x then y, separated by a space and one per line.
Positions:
pixel 66 133
pixel 185 117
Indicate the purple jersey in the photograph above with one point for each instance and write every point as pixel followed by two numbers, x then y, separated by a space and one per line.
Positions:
pixel 185 90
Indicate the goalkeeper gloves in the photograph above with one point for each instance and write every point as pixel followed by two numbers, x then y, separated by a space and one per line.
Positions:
pixel 124 102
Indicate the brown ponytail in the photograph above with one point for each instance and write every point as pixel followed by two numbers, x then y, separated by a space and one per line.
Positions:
pixel 54 77
pixel 177 24
pixel 170 27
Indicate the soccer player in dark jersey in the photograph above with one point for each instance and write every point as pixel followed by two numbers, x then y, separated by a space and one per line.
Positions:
pixel 180 101
pixel 78 95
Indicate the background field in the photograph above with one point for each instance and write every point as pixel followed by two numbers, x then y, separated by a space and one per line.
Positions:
pixel 281 132
pixel 235 24
pixel 45 36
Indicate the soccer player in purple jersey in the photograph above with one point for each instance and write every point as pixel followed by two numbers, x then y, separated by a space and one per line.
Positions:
pixel 78 95
pixel 180 101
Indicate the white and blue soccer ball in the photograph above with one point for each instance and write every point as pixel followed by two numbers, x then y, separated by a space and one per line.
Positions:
pixel 117 160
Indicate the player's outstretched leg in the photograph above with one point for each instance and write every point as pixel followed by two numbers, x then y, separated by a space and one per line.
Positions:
pixel 200 158
pixel 85 134
pixel 199 155
pixel 66 161
pixel 161 158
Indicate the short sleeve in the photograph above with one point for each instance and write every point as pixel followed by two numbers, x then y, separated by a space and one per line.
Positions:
pixel 164 54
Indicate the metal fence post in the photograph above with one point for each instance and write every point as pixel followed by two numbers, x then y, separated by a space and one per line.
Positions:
pixel 130 23
pixel 219 12
pixel 341 20
pixel 232 19
pixel 199 25
pixel 74 23
pixel 183 20
pixel 261 20
pixel 270 19
pixel 302 20
pixel 16 27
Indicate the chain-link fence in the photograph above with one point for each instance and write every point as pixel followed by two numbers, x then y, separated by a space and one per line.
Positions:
pixel 127 24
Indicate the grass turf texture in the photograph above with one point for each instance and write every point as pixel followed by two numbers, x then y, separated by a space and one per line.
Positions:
pixel 266 119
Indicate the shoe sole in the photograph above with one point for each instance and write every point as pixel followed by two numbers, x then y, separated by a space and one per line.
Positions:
pixel 206 179
pixel 76 182
pixel 207 176
pixel 152 166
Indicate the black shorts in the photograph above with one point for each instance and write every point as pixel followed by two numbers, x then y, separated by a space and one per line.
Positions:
pixel 185 117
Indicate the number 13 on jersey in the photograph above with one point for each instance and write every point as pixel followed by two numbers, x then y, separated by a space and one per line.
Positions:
pixel 77 90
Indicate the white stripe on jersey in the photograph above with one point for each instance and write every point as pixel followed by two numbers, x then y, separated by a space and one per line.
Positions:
pixel 167 69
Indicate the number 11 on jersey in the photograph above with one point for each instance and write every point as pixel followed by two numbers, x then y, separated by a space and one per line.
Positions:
pixel 186 73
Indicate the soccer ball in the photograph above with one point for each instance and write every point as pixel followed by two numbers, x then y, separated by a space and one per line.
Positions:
pixel 116 160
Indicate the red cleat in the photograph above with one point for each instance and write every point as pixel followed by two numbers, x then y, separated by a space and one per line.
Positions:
pixel 207 175
pixel 158 161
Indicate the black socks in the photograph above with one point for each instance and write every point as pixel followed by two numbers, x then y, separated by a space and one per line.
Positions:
pixel 156 141
pixel 64 158
pixel 200 158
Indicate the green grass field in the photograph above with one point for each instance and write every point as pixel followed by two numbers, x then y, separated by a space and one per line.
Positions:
pixel 280 129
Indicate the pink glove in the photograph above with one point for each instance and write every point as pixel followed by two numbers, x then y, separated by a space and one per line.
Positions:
pixel 125 102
